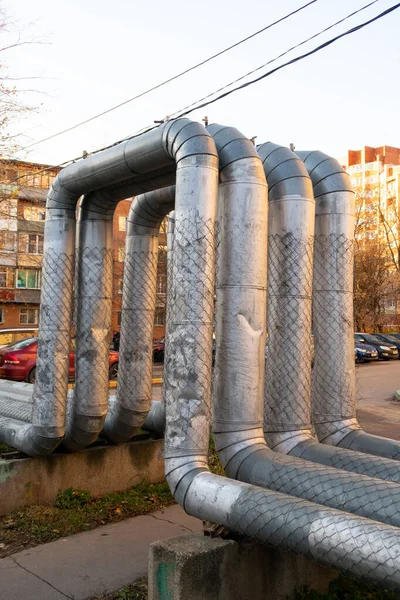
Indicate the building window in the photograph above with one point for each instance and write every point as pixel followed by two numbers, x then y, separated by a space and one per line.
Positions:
pixel 35 244
pixel 7 241
pixel 161 284
pixel 29 279
pixel 122 223
pixel 159 319
pixel 7 277
pixel 28 316
pixel 1 316
pixel 120 284
pixel 30 243
pixel 121 254
pixel 34 213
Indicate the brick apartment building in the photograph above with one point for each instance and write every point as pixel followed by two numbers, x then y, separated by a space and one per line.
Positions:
pixel 23 192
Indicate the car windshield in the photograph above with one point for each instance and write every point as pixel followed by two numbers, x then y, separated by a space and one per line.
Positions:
pixel 390 339
pixel 21 344
pixel 369 338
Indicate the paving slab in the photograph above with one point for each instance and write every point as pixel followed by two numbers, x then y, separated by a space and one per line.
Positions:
pixel 90 563
pixel 16 583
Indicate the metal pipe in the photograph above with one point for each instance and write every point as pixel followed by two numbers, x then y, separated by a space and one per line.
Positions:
pixel 287 400
pixel 93 306
pixel 333 397
pixel 143 163
pixel 134 392
pixel 330 536
pixel 240 339
pixel 155 420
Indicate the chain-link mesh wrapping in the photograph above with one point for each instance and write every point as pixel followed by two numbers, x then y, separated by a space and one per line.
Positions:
pixel 187 374
pixel 16 409
pixel 51 385
pixel 93 322
pixel 289 352
pixel 362 547
pixel 364 496
pixel 350 460
pixel 137 318
pixel 333 386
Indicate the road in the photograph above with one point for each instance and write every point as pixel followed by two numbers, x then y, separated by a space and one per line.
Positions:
pixel 377 411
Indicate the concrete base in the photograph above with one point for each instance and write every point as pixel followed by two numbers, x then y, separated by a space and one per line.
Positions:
pixel 200 568
pixel 99 469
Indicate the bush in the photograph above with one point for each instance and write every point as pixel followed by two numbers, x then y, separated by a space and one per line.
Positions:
pixel 71 498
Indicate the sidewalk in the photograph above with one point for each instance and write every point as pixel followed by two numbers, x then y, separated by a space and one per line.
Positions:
pixel 91 563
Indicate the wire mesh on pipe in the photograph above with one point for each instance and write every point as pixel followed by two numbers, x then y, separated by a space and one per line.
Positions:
pixel 51 382
pixel 137 319
pixel 333 385
pixel 190 326
pixel 289 346
pixel 93 325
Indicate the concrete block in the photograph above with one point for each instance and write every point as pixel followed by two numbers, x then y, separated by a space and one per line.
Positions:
pixel 100 469
pixel 201 568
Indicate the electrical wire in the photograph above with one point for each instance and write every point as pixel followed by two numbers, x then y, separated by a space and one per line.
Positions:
pixel 293 61
pixel 173 78
pixel 190 109
pixel 178 112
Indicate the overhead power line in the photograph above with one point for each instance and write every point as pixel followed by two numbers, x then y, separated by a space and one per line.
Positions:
pixel 315 35
pixel 196 106
pixel 173 78
pixel 292 61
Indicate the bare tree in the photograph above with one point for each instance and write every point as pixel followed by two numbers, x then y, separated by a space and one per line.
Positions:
pixel 377 253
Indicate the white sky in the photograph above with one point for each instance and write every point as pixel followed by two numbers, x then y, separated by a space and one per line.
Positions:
pixel 101 53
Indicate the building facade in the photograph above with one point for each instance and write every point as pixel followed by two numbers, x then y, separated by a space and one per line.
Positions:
pixel 23 192
pixel 375 176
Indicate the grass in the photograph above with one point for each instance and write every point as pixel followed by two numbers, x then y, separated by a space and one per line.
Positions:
pixel 4 448
pixel 76 511
pixel 346 588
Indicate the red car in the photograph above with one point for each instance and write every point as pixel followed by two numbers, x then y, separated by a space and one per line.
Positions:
pixel 18 361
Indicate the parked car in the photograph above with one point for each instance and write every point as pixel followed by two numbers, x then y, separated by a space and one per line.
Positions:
pixel 365 353
pixel 18 361
pixel 158 350
pixel 9 336
pixel 387 338
pixel 385 351
pixel 395 335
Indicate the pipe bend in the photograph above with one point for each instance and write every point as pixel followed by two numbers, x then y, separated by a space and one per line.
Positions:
pixel 128 412
pixel 333 399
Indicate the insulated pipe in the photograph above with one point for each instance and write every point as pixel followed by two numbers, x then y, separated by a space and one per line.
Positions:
pixel 145 162
pixel 155 420
pixel 287 418
pixel 93 306
pixel 240 338
pixel 134 392
pixel 287 399
pixel 333 397
pixel 47 423
pixel 363 547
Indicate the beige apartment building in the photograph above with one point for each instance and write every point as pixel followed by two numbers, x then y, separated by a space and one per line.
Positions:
pixel 375 175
